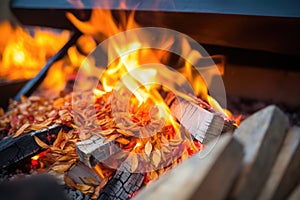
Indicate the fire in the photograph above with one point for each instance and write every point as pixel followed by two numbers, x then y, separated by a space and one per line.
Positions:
pixel 36 160
pixel 132 78
pixel 24 54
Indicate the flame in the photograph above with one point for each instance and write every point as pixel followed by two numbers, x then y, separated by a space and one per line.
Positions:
pixel 126 68
pixel 24 54
pixel 126 76
pixel 35 160
pixel 36 157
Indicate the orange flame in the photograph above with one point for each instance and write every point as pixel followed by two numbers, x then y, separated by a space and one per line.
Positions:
pixel 23 55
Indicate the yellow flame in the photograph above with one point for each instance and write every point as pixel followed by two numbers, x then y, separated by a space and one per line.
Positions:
pixel 126 69
pixel 23 55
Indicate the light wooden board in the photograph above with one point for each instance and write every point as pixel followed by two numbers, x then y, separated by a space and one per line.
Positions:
pixel 284 176
pixel 262 135
pixel 208 177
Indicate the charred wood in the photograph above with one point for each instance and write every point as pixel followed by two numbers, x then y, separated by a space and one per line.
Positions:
pixel 13 150
pixel 95 149
pixel 123 185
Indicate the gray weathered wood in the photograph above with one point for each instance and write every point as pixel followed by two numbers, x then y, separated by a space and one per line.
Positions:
pixel 281 171
pixel 262 135
pixel 204 175
pixel 95 150
pixel 202 124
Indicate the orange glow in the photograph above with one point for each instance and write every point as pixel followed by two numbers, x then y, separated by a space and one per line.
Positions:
pixel 23 55
pixel 36 157
pixel 126 76
pixel 138 144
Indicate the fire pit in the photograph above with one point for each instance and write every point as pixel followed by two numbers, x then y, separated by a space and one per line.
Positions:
pixel 144 115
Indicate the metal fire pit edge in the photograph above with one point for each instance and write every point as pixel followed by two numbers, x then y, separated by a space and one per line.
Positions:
pixel 267 25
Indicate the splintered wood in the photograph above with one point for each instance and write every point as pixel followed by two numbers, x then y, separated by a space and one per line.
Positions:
pixel 201 123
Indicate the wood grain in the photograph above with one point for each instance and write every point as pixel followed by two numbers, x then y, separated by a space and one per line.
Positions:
pixel 262 135
pixel 208 177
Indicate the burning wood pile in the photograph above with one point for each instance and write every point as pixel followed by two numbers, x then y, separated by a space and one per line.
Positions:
pixel 113 135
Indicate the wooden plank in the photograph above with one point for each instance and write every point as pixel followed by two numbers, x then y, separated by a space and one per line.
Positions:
pixel 94 150
pixel 286 167
pixel 202 124
pixel 13 150
pixel 205 176
pixel 285 172
pixel 262 135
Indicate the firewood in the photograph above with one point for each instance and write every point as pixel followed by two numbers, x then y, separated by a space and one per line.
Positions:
pixel 79 172
pixel 205 177
pixel 285 173
pixel 13 150
pixel 123 185
pixel 202 124
pixel 262 135
pixel 95 149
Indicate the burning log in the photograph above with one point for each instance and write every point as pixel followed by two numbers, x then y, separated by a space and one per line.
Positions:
pixel 262 135
pixel 13 150
pixel 202 124
pixel 285 173
pixel 123 185
pixel 208 177
pixel 95 149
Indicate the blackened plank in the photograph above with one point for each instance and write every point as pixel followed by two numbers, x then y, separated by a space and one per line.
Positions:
pixel 122 185
pixel 13 150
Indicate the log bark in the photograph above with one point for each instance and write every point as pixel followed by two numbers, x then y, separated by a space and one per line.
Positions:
pixel 285 173
pixel 94 150
pixel 201 176
pixel 13 150
pixel 202 124
pixel 262 135
pixel 123 185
